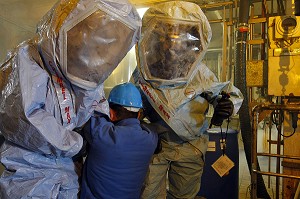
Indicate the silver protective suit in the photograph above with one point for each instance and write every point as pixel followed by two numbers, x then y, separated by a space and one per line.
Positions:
pixel 50 85
pixel 179 86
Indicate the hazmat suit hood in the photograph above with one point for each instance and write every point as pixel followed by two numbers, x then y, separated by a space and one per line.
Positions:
pixel 170 71
pixel 175 38
pixel 85 40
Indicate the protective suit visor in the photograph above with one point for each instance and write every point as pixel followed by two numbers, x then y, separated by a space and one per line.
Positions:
pixel 171 49
pixel 94 47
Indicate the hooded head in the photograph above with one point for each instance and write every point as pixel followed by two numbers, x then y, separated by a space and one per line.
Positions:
pixel 84 40
pixel 175 37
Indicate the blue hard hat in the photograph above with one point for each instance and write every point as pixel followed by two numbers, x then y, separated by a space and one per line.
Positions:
pixel 127 95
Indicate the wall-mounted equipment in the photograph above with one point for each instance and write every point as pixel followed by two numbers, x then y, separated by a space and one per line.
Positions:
pixel 284 55
pixel 287 27
pixel 255 73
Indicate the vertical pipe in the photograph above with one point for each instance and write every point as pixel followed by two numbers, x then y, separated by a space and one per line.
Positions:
pixel 231 44
pixel 280 7
pixel 250 37
pixel 224 53
pixel 297 7
pixel 297 194
pixel 270 150
pixel 240 82
pixel 250 50
pixel 254 153
pixel 263 45
pixel 263 31
pixel 278 159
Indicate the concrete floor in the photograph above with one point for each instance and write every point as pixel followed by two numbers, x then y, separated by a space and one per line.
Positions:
pixel 244 175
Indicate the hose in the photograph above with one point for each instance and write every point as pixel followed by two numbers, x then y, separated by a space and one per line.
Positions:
pixel 240 82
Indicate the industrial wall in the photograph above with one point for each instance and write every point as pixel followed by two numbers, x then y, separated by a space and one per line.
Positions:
pixel 18 21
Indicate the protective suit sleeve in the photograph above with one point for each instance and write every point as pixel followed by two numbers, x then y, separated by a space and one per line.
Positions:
pixel 213 94
pixel 102 108
pixel 83 151
pixel 58 141
pixel 45 134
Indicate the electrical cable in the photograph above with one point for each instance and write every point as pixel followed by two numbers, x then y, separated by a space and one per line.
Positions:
pixel 277 118
pixel 225 137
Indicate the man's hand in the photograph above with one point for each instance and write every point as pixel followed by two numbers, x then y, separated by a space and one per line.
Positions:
pixel 223 110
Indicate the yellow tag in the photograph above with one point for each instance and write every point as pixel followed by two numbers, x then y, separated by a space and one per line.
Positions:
pixel 211 146
pixel 223 165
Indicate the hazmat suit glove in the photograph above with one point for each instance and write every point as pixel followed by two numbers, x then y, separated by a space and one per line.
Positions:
pixel 223 110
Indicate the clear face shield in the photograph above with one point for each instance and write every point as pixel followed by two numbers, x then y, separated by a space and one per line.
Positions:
pixel 93 48
pixel 171 50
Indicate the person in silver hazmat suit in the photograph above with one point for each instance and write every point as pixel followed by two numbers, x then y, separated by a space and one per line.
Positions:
pixel 51 85
pixel 179 87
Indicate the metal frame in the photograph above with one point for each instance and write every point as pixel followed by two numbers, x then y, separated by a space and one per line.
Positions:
pixel 254 158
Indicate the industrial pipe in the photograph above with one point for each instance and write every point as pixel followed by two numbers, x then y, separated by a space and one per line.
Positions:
pixel 297 7
pixel 240 82
pixel 291 107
